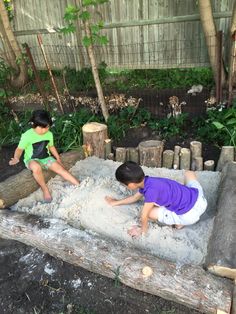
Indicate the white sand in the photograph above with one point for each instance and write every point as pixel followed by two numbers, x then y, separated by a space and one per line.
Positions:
pixel 84 206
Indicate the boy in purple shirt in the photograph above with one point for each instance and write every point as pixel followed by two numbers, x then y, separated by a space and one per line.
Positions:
pixel 165 200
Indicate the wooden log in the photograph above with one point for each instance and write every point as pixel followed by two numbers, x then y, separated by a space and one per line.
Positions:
pixel 150 153
pixel 107 147
pixel 185 284
pixel 23 183
pixel 133 154
pixel 168 157
pixel 197 164
pixel 94 136
pixel 226 155
pixel 110 156
pixel 185 158
pixel 209 165
pixel 221 252
pixel 196 151
pixel 121 154
pixel 176 157
pixel 233 310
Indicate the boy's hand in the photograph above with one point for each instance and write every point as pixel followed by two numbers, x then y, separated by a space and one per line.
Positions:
pixel 135 231
pixel 13 161
pixel 111 201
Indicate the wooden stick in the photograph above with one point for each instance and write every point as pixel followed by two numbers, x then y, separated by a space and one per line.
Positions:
pixel 133 154
pixel 150 153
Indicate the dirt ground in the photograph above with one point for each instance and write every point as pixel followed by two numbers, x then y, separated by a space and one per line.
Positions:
pixel 34 282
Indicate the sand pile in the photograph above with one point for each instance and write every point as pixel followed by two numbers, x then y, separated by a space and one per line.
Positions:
pixel 85 207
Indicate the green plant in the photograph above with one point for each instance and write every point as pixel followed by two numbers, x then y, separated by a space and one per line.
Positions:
pixel 229 126
pixel 169 127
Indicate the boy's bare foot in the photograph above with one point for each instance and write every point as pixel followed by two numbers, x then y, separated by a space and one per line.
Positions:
pixel 178 227
pixel 47 196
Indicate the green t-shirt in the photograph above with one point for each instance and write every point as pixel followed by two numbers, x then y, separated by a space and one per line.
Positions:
pixel 35 146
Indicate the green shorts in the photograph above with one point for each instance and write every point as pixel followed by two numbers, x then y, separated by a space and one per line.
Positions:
pixel 45 163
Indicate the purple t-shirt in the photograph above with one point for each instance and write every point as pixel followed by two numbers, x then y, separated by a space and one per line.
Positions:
pixel 175 196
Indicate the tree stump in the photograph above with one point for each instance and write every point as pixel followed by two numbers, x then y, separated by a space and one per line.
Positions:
pixel 11 189
pixel 196 151
pixel 94 136
pixel 185 158
pixel 209 165
pixel 176 157
pixel 150 153
pixel 168 157
pixel 133 154
pixel 226 155
pixel 121 154
pixel 221 252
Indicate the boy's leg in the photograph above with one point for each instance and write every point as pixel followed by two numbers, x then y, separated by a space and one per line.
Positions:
pixel 57 168
pixel 36 169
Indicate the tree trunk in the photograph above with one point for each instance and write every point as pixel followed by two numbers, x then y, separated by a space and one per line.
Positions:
pixel 185 284
pixel 198 164
pixel 209 30
pixel 221 255
pixel 94 136
pixel 107 143
pixel 232 57
pixel 13 49
pixel 11 189
pixel 150 153
pixel 95 73
pixel 226 155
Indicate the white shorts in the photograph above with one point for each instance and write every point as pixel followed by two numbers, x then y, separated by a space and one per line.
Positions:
pixel 168 217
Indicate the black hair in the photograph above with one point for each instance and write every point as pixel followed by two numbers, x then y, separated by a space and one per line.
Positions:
pixel 40 118
pixel 129 172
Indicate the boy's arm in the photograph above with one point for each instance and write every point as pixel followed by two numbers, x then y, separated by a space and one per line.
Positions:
pixel 125 201
pixel 16 158
pixel 136 231
pixel 54 152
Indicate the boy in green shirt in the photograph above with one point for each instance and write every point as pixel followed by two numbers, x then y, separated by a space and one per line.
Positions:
pixel 40 152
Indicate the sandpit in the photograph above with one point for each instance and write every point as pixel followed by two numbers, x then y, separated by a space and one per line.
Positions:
pixel 84 207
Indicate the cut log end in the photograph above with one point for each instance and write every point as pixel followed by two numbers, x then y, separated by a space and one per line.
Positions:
pixel 223 271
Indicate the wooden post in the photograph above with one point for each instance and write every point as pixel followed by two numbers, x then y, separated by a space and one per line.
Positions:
pixel 107 147
pixel 150 153
pixel 209 165
pixel 121 154
pixel 133 154
pixel 226 155
pixel 168 156
pixel 198 163
pixel 196 151
pixel 176 157
pixel 185 158
pixel 94 135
